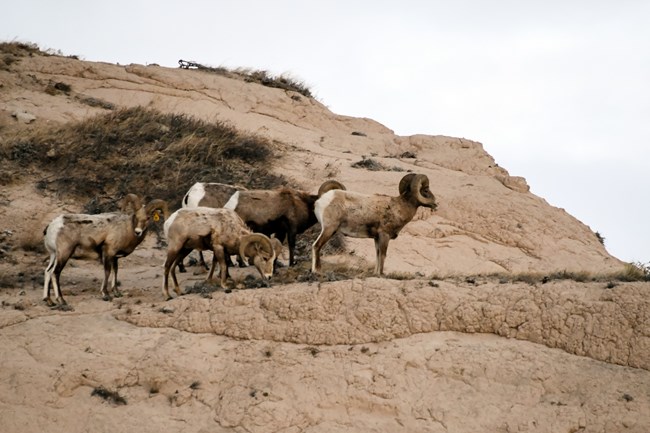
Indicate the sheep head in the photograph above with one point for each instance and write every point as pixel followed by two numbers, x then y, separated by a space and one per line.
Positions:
pixel 415 187
pixel 156 207
pixel 258 247
pixel 329 185
pixel 132 204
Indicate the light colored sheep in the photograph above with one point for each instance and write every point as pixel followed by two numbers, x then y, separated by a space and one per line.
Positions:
pixel 220 230
pixel 284 212
pixel 107 236
pixel 207 194
pixel 370 216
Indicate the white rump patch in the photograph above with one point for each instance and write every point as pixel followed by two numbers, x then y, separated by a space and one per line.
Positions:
pixel 322 203
pixel 52 233
pixel 232 202
pixel 194 195
pixel 168 222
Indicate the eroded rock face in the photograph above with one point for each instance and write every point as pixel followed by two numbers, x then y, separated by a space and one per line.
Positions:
pixel 610 325
pixel 169 379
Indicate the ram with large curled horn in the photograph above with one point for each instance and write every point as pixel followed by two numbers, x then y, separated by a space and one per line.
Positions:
pixel 376 216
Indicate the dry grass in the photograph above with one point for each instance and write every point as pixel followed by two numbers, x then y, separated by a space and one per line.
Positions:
pixel 112 397
pixel 12 52
pixel 258 76
pixel 140 150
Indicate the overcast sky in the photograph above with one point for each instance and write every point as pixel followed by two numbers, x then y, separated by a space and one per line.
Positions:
pixel 557 91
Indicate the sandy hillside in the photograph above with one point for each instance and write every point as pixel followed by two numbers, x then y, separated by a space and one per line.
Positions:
pixel 443 345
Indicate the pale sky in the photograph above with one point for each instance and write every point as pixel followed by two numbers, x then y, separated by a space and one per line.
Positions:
pixel 557 91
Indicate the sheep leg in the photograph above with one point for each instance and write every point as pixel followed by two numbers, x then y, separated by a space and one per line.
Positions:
pixel 291 240
pixel 108 267
pixel 181 256
pixel 48 279
pixel 203 263
pixel 170 262
pixel 213 267
pixel 325 235
pixel 381 246
pixel 220 256
pixel 114 288
pixel 60 263
pixel 58 296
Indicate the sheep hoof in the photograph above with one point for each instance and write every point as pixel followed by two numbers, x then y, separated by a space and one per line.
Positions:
pixel 117 294
pixel 49 302
pixel 106 297
pixel 169 298
pixel 181 269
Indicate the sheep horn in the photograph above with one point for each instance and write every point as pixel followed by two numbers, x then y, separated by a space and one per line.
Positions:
pixel 420 187
pixel 255 238
pixel 133 200
pixel 158 204
pixel 329 185
pixel 405 184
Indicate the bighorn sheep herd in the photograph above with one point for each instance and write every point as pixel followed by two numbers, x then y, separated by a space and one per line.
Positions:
pixel 230 220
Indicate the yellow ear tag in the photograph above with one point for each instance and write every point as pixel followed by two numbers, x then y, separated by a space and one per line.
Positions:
pixel 156 217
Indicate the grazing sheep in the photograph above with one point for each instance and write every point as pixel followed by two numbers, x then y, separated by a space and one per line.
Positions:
pixel 285 212
pixel 370 216
pixel 207 194
pixel 107 236
pixel 219 230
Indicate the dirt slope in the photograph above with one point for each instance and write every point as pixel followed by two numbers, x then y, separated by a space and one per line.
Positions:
pixel 421 354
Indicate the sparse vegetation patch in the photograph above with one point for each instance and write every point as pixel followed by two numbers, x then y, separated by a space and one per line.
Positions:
pixel 258 76
pixel 112 397
pixel 140 150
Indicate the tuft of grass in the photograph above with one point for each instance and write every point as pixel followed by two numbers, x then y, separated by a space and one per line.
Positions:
pixel 258 76
pixel 95 102
pixel 402 276
pixel 369 164
pixel 636 271
pixel 112 397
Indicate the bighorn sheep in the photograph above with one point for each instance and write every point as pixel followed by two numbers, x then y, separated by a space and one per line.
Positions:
pixel 207 194
pixel 285 212
pixel 107 236
pixel 370 216
pixel 219 230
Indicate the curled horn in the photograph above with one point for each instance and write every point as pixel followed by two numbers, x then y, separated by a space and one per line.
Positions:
pixel 158 204
pixel 255 238
pixel 420 188
pixel 405 183
pixel 131 200
pixel 329 185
